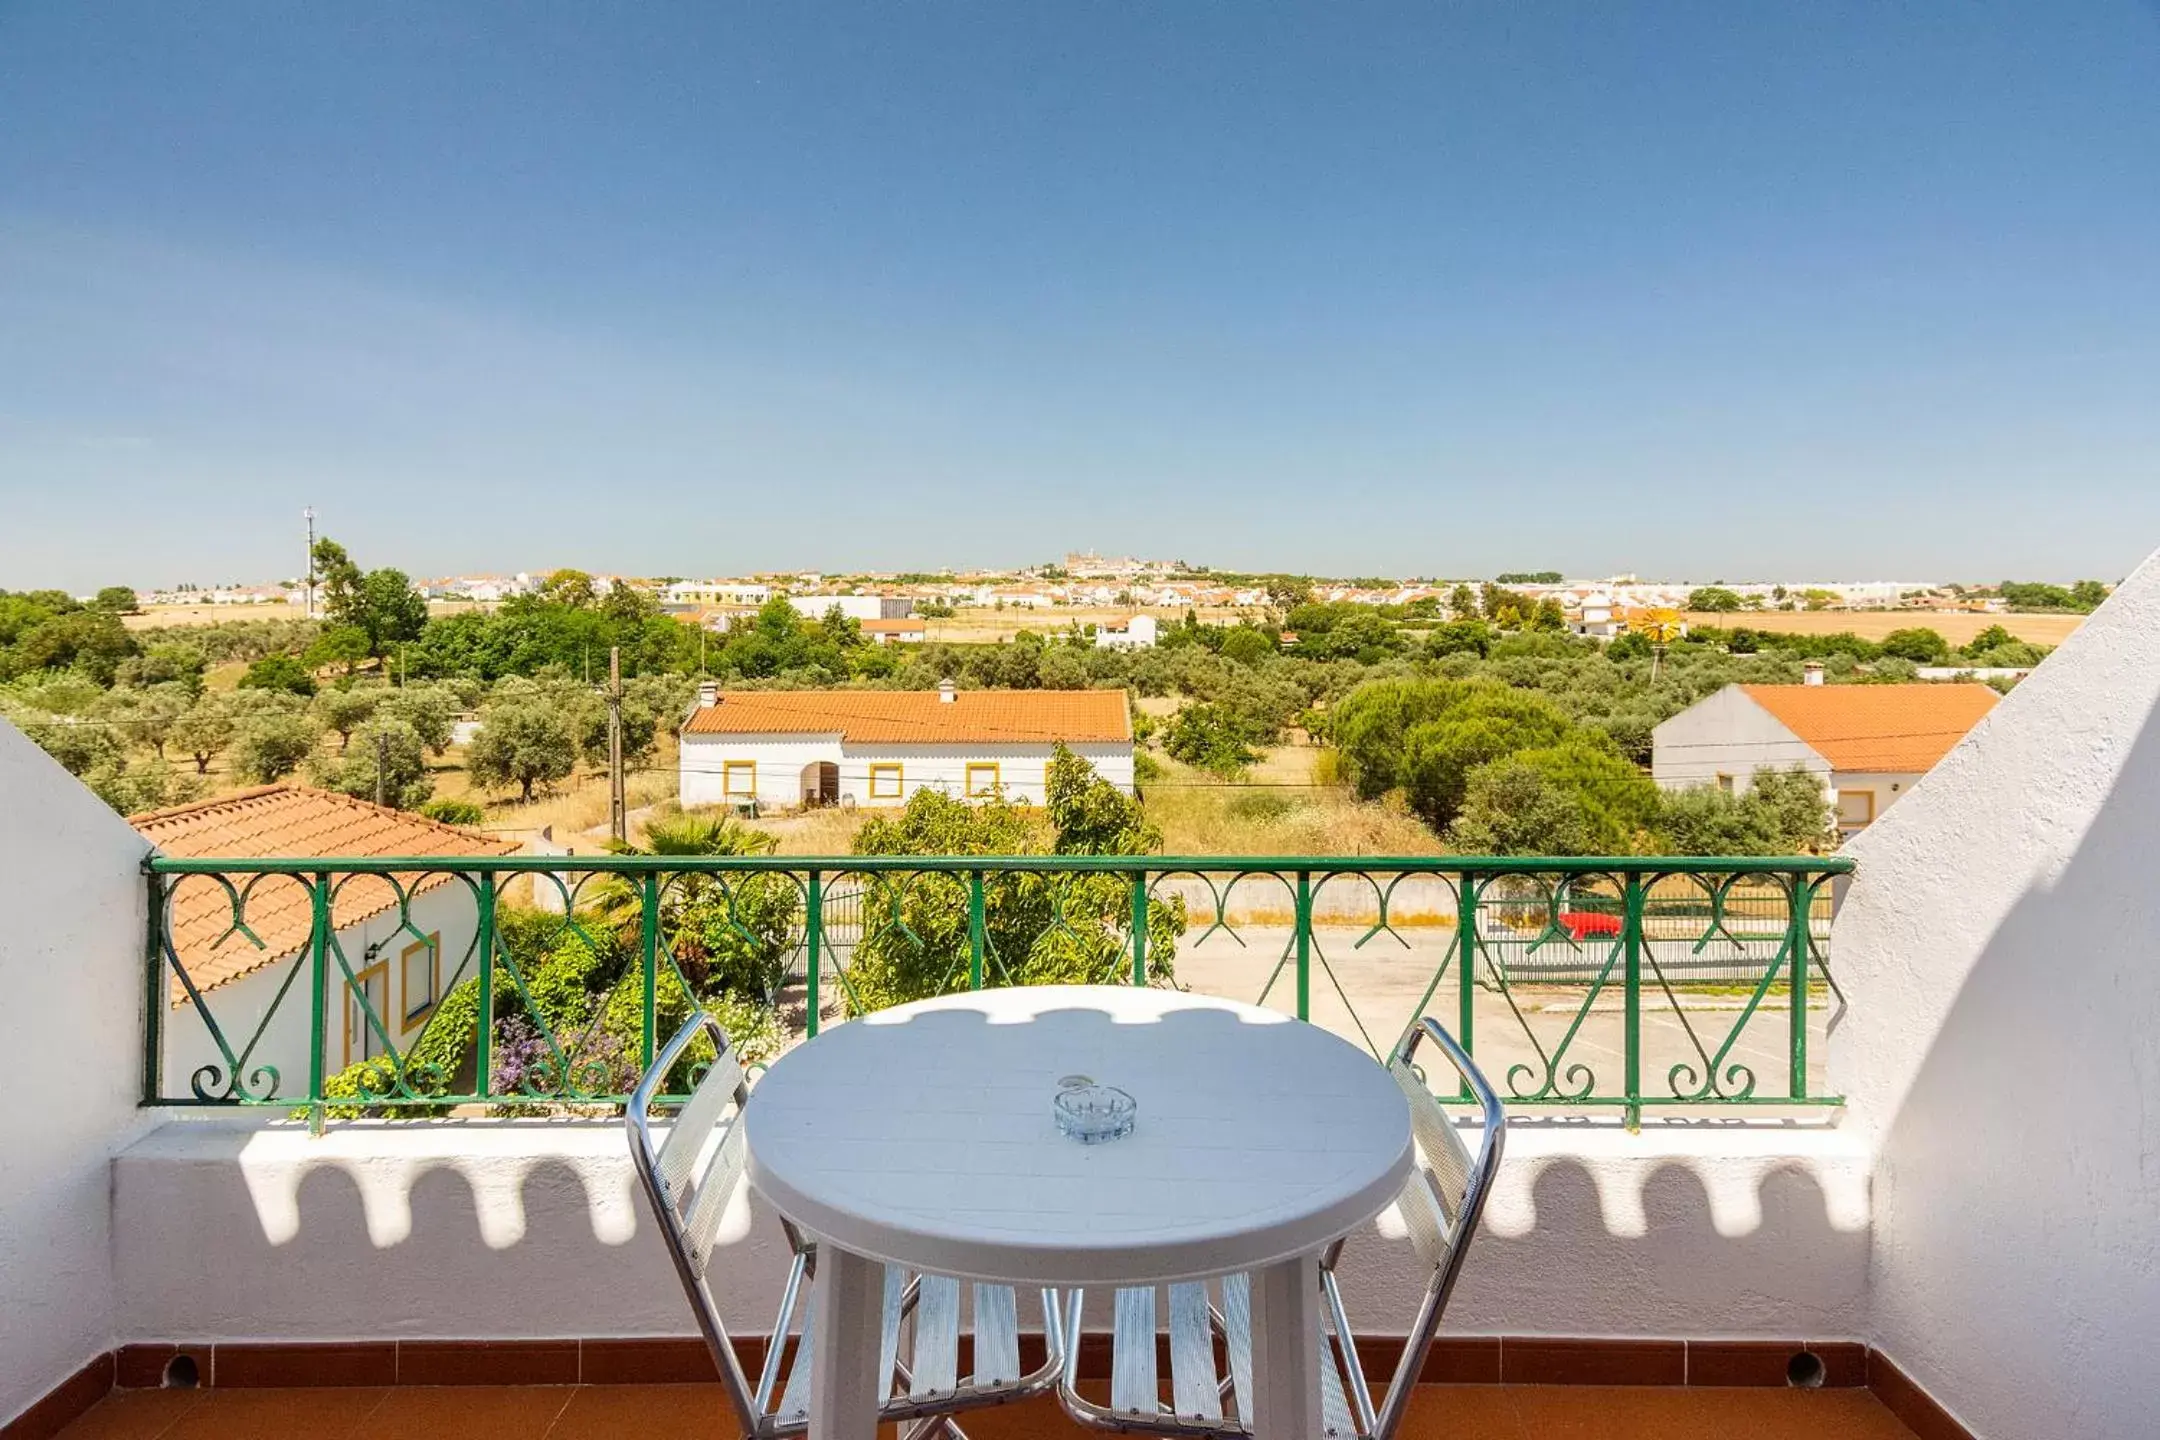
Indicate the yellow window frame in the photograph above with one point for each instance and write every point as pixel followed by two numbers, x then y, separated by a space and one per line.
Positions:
pixel 729 769
pixel 977 790
pixel 880 773
pixel 1863 821
pixel 356 1025
pixel 414 1018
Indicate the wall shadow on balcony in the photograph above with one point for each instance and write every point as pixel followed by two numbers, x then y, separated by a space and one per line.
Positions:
pixel 1641 1251
pixel 2019 1176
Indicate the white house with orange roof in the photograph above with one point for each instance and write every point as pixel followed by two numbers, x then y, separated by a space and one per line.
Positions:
pixel 406 944
pixel 878 747
pixel 1870 743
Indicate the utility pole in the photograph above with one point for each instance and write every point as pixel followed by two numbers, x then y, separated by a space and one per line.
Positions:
pixel 308 514
pixel 618 813
pixel 382 762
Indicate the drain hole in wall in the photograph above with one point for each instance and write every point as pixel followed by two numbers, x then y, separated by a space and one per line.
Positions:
pixel 1805 1371
pixel 181 1374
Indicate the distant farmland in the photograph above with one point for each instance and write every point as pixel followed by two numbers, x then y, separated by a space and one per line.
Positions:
pixel 1957 626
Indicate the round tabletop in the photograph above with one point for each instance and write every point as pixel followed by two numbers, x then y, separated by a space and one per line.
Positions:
pixel 923 1136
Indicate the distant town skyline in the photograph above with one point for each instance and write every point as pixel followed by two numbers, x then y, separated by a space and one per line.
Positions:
pixel 1783 288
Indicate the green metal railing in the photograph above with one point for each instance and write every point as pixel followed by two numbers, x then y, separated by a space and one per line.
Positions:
pixel 405 986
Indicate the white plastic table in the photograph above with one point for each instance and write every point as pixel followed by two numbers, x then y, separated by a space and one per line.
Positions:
pixel 923 1136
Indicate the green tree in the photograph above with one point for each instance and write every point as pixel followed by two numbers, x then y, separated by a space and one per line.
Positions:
pixel 1781 813
pixel 338 577
pixel 147 716
pixel 1512 807
pixel 1037 929
pixel 346 710
pixel 1486 723
pixel 93 643
pixel 432 711
pixel 1919 645
pixel 391 611
pixel 271 744
pixel 1463 602
pixel 1248 645
pixel 1210 737
pixel 1714 598
pixel 117 600
pixel 572 588
pixel 279 673
pixel 166 663
pixel 205 730
pixel 524 742
pixel 1468 636
pixel 345 645
pixel 400 778
pixel 2088 594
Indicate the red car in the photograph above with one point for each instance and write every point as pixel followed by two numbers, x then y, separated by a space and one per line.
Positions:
pixel 1582 924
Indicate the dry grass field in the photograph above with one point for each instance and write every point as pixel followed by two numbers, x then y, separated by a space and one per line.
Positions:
pixel 1276 809
pixel 1956 626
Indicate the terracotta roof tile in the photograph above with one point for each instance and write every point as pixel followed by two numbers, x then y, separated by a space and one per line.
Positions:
pixel 1877 727
pixel 919 717
pixel 278 822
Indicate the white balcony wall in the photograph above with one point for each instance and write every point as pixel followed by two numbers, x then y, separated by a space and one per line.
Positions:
pixel 459 1229
pixel 71 973
pixel 2003 1049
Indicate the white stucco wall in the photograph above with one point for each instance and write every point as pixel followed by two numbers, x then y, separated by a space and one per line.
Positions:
pixel 780 760
pixel 1726 734
pixel 71 969
pixel 287 1044
pixel 517 1229
pixel 2001 950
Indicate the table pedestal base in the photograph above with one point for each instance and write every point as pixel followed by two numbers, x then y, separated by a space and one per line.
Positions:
pixel 1286 1350
pixel 846 1389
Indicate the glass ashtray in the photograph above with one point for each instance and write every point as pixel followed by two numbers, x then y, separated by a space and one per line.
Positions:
pixel 1092 1114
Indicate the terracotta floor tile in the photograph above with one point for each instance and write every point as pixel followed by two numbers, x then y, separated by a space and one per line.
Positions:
pixel 640 1412
pixel 1831 1414
pixel 1462 1412
pixel 1612 1412
pixel 1592 1412
pixel 472 1412
pixel 330 1413
pixel 133 1415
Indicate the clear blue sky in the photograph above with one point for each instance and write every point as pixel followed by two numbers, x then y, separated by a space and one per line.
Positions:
pixel 1713 290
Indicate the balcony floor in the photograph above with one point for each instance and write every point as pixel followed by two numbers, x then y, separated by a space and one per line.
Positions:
pixel 699 1412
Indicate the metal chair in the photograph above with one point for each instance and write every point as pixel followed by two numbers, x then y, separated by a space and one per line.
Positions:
pixel 1440 1204
pixel 691 1177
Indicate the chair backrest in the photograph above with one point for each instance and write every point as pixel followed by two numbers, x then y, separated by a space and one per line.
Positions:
pixel 691 1177
pixel 1444 1197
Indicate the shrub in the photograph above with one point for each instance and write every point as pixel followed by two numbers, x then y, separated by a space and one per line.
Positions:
pixel 281 673
pixel 454 812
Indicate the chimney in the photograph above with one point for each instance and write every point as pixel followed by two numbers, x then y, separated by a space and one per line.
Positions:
pixel 945 691
pixel 1811 673
pixel 708 694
